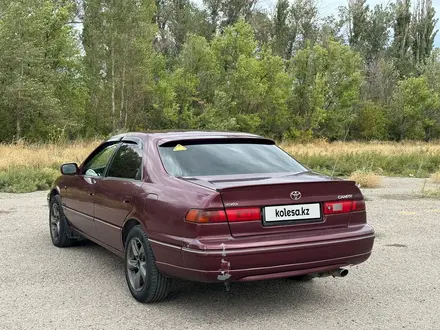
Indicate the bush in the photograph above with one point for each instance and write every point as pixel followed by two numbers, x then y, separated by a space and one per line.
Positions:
pixel 371 123
pixel 20 179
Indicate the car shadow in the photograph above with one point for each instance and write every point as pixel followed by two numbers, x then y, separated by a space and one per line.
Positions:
pixel 245 300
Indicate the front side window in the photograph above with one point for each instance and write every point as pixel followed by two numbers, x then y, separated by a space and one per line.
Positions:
pixel 226 158
pixel 97 164
pixel 127 163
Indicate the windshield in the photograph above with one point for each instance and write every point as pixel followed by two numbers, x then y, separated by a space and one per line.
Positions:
pixel 200 159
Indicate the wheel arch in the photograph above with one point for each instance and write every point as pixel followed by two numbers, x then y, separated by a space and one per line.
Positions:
pixel 53 192
pixel 128 225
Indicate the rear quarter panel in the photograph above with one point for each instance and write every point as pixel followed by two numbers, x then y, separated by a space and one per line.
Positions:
pixel 167 200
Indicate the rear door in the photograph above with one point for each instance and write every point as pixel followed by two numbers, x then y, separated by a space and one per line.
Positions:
pixel 116 193
pixel 78 192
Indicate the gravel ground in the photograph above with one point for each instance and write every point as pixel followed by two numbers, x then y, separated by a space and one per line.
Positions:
pixel 43 287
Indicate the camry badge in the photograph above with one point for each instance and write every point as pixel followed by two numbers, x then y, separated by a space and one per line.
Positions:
pixel 295 195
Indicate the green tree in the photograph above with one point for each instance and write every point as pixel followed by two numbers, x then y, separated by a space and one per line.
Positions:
pixel 176 19
pixel 117 39
pixel 423 30
pixel 377 33
pixel 380 82
pixel 294 27
pixel 326 90
pixel 40 88
pixel 412 106
pixel 401 45
pixel 357 16
pixel 282 34
pixel 232 84
pixel 371 122
pixel 223 13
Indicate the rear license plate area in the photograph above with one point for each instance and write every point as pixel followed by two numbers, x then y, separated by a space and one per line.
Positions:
pixel 292 214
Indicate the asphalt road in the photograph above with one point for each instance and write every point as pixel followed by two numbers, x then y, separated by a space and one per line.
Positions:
pixel 43 287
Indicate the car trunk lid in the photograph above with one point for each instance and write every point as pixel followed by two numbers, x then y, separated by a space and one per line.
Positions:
pixel 288 203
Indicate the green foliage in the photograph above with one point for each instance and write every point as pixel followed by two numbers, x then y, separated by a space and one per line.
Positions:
pixel 400 49
pixel 117 39
pixel 414 107
pixel 20 179
pixel 39 69
pixel 423 30
pixel 368 73
pixel 371 123
pixel 326 90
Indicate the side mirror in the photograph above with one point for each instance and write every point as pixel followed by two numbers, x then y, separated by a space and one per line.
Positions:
pixel 69 169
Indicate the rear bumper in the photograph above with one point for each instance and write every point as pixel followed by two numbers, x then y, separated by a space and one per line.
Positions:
pixel 260 260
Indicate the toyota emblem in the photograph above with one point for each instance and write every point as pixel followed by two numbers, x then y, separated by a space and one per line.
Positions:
pixel 295 195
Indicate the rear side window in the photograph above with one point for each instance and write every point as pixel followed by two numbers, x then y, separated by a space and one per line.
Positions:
pixel 225 159
pixel 127 163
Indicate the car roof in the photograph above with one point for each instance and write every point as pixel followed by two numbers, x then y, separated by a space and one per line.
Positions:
pixel 167 136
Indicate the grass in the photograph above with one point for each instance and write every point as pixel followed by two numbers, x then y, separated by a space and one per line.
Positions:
pixel 30 167
pixel 365 179
pixel 435 177
pixel 418 159
pixel 430 191
pixel 19 179
pixel 40 156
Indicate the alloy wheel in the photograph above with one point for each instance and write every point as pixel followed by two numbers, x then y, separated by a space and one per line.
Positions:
pixel 136 264
pixel 55 218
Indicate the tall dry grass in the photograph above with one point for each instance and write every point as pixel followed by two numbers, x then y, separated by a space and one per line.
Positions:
pixel 43 155
pixel 435 177
pixel 325 148
pixel 29 167
pixel 52 155
pixel 418 159
pixel 365 179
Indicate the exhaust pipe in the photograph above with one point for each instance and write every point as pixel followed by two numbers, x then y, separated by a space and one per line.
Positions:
pixel 340 272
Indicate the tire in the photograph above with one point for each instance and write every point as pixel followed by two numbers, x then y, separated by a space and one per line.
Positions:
pixel 302 278
pixel 144 280
pixel 59 228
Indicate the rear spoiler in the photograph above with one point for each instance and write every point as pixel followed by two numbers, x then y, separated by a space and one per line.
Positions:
pixel 215 139
pixel 260 182
pixel 199 182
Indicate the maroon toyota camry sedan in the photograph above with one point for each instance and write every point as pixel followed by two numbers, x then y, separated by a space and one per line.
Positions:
pixel 208 207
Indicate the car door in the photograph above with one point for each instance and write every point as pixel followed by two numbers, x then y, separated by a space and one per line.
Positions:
pixel 78 191
pixel 116 193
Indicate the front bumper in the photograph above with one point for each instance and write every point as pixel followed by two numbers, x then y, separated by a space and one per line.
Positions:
pixel 265 259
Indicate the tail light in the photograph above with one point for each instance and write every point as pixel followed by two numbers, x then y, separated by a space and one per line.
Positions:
pixel 247 214
pixel 343 207
pixel 216 216
pixel 358 205
pixel 204 216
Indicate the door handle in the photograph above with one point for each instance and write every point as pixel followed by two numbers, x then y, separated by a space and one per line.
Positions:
pixel 126 201
pixel 91 193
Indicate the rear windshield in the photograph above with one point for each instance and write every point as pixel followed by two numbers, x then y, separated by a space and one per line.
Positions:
pixel 199 159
